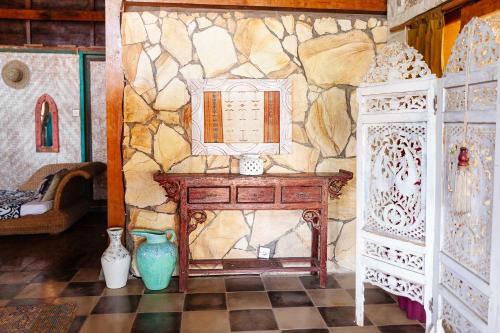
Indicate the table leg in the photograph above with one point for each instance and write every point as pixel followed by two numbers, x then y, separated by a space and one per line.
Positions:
pixel 323 247
pixel 183 251
pixel 314 247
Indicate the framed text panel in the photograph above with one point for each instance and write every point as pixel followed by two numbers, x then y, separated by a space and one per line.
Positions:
pixel 235 117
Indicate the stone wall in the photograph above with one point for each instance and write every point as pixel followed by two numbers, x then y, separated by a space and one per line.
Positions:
pixel 326 56
pixel 50 73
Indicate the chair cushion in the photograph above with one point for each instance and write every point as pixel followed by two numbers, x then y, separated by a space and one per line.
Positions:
pixel 54 183
pixel 44 185
pixel 36 207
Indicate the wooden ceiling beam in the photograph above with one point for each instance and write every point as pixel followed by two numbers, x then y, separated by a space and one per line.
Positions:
pixel 357 6
pixel 479 8
pixel 52 15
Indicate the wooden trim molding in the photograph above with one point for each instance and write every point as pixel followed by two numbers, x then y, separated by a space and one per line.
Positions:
pixel 479 9
pixel 358 6
pixel 114 114
pixel 52 15
pixel 38 125
pixel 39 48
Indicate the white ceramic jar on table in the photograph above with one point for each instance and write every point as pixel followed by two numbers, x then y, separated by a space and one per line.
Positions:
pixel 251 165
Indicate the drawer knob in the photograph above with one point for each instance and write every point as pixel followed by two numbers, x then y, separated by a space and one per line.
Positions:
pixel 301 194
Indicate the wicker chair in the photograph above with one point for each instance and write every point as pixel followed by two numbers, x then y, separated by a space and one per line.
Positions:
pixel 70 202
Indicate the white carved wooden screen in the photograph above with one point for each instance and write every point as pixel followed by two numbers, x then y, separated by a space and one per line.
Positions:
pixel 395 177
pixel 467 264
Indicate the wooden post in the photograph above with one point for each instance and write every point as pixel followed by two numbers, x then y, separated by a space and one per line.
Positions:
pixel 323 236
pixel 114 114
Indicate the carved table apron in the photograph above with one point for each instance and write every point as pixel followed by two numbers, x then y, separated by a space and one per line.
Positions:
pixel 308 192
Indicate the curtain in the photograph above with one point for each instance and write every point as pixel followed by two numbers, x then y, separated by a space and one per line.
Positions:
pixel 425 34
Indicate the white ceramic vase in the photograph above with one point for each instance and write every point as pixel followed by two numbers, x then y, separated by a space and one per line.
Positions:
pixel 115 260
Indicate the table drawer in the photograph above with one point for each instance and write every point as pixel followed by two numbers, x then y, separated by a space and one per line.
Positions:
pixel 255 194
pixel 209 194
pixel 295 194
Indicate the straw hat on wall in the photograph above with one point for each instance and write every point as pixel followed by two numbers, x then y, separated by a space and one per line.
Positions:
pixel 16 74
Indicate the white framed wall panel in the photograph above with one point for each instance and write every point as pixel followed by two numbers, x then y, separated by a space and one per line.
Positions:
pixel 467 263
pixel 396 178
pixel 197 88
pixel 401 11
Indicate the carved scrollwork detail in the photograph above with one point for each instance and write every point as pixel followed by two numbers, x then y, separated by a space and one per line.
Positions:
pixel 312 216
pixel 475 47
pixel 173 189
pixel 398 257
pixel 482 97
pixel 395 284
pixel 454 321
pixel 467 292
pixel 196 217
pixel 335 186
pixel 397 61
pixel 397 102
pixel 395 205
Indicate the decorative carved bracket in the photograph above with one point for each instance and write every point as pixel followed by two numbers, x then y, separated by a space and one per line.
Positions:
pixel 336 184
pixel 173 189
pixel 196 217
pixel 312 216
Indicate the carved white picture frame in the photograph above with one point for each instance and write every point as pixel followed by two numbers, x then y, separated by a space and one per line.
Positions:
pixel 197 89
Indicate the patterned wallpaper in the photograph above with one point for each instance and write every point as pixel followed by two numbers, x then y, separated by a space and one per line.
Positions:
pixel 98 119
pixel 58 76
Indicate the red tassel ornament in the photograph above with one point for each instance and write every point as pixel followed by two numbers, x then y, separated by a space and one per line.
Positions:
pixel 461 199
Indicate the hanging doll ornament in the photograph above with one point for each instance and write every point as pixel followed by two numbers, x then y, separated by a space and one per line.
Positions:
pixel 461 196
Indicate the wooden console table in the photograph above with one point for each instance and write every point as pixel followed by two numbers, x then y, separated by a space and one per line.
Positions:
pixel 308 192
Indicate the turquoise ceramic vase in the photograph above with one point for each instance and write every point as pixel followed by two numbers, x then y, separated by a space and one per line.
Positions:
pixel 156 257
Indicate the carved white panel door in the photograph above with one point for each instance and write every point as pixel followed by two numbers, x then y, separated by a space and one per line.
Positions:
pixel 467 265
pixel 395 182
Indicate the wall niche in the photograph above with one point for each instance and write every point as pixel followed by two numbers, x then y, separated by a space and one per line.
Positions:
pixel 46 125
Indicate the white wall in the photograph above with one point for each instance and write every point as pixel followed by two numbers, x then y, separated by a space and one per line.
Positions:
pixel 98 120
pixel 58 76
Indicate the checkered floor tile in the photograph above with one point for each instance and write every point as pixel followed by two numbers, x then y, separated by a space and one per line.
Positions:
pixel 212 304
pixel 66 268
